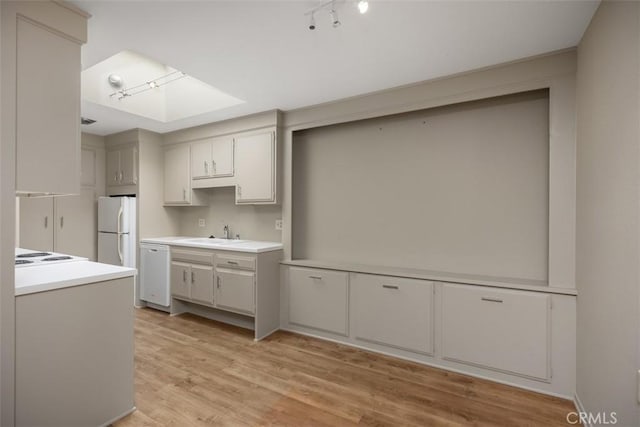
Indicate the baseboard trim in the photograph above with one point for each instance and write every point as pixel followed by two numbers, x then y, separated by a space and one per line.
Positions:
pixel 113 420
pixel 580 409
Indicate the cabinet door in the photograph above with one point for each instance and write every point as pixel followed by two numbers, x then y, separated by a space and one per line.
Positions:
pixel 200 160
pixel 76 224
pixel 177 182
pixel 36 223
pixel 48 111
pixel 255 168
pixel 128 166
pixel 180 279
pixel 202 283
pixel 318 299
pixel 222 157
pixel 113 167
pixel 499 329
pixel 235 290
pixel 393 311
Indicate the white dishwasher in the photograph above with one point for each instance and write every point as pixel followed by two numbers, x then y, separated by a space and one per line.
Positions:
pixel 154 275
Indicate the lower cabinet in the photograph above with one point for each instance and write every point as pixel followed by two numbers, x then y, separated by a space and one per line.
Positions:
pixel 499 329
pixel 393 311
pixel 319 299
pixel 192 280
pixel 235 290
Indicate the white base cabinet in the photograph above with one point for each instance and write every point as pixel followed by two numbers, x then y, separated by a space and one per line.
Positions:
pixel 393 311
pixel 318 299
pixel 234 287
pixel 497 329
pixel 519 337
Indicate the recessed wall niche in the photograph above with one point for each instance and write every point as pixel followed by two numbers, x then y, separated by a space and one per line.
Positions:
pixel 462 189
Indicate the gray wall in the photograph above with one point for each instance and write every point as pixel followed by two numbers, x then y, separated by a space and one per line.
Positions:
pixel 253 222
pixel 608 209
pixel 462 189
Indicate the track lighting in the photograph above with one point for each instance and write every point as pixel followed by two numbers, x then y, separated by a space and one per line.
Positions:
pixel 116 82
pixel 312 23
pixel 330 7
pixel 334 18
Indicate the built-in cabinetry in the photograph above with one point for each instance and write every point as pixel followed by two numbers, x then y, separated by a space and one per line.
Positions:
pixel 122 165
pixel 234 287
pixel 515 336
pixel 256 168
pixel 212 158
pixel 177 177
pixel 318 299
pixel 393 311
pixel 246 160
pixel 64 224
pixel 498 329
pixel 47 46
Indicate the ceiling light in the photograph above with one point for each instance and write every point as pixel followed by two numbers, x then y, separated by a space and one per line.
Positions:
pixel 312 23
pixel 115 81
pixel 122 93
pixel 334 18
pixel 363 6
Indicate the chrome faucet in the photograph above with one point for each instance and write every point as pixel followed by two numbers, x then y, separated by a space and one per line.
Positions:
pixel 227 232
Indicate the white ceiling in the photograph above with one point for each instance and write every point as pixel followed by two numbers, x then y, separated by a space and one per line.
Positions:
pixel 262 51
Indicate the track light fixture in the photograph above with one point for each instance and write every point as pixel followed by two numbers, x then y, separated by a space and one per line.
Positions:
pixel 330 7
pixel 121 92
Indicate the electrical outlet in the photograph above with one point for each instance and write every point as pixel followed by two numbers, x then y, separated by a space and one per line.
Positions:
pixel 278 224
pixel 201 222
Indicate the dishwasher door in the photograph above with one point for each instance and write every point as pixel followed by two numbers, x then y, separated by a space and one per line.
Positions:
pixel 154 274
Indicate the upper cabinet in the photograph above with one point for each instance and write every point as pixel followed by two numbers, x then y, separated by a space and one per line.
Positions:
pixel 177 177
pixel 255 161
pixel 212 158
pixel 43 40
pixel 122 166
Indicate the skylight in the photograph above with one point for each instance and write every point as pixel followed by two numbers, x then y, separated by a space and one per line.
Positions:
pixel 136 84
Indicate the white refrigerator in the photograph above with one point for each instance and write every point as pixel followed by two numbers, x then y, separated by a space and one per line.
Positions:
pixel 117 231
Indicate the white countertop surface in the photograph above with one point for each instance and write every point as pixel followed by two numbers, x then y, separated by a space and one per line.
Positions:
pixel 251 246
pixel 57 276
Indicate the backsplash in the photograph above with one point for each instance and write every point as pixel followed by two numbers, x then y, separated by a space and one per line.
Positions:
pixel 252 222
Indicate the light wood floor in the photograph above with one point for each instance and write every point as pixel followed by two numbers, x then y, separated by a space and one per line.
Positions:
pixel 191 371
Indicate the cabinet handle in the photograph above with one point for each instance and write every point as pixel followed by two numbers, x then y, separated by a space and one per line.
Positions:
pixel 218 281
pixel 390 286
pixel 184 194
pixel 184 276
pixel 206 168
pixel 315 277
pixel 491 299
pixel 61 222
pixel 120 176
pixel 193 277
pixel 232 262
pixel 115 177
pixel 213 166
pixel 46 221
pixel 239 191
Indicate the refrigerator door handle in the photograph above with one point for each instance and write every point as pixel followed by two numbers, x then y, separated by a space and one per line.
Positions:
pixel 119 221
pixel 120 248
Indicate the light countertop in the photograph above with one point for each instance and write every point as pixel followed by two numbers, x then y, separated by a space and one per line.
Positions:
pixel 64 275
pixel 438 276
pixel 250 246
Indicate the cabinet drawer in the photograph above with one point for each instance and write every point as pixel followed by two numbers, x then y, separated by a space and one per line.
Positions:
pixel 318 299
pixel 205 258
pixel 233 261
pixel 504 330
pixel 393 311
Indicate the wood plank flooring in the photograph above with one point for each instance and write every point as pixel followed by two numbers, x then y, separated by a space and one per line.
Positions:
pixel 195 372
